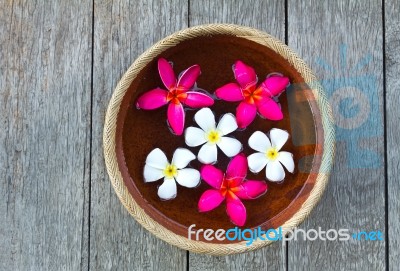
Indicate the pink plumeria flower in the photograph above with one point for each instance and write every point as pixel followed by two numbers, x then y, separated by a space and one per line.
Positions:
pixel 268 154
pixel 157 167
pixel 178 92
pixel 212 135
pixel 231 186
pixel 253 98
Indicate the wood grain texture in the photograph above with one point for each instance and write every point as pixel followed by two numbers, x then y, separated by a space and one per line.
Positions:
pixel 45 62
pixel 355 196
pixel 46 128
pixel 270 17
pixel 392 63
pixel 122 31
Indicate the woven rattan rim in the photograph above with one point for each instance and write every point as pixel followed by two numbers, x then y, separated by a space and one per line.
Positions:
pixel 109 139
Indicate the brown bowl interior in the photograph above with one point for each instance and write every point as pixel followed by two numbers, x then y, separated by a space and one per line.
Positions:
pixel 139 132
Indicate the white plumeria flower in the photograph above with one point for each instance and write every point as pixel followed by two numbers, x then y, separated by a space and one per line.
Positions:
pixel 269 154
pixel 213 136
pixel 157 167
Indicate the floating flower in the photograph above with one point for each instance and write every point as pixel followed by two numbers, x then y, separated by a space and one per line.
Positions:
pixel 269 154
pixel 231 186
pixel 157 167
pixel 253 98
pixel 212 136
pixel 179 92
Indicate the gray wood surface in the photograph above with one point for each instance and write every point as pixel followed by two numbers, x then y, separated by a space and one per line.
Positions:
pixel 392 61
pixel 122 31
pixel 355 196
pixel 59 63
pixel 270 17
pixel 44 138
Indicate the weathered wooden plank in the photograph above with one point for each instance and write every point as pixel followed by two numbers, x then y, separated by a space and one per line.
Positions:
pixel 342 42
pixel 45 62
pixel 392 64
pixel 270 17
pixel 122 31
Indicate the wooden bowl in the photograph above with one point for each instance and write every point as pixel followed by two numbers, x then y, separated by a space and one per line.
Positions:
pixel 130 134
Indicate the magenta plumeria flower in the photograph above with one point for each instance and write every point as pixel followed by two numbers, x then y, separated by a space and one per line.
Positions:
pixel 178 92
pixel 231 186
pixel 253 98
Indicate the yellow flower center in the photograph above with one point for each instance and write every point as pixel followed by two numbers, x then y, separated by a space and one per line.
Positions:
pixel 213 136
pixel 272 154
pixel 170 171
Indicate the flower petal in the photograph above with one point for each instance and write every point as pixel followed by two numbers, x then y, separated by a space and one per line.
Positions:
pixel 269 109
pixel 205 119
pixel 230 92
pixel 194 137
pixel 207 154
pixel 227 124
pixel 210 199
pixel 152 174
pixel 197 99
pixel 237 169
pixel 275 171
pixel 257 161
pixel 229 146
pixel 236 211
pixel 167 190
pixel 278 137
pixel 157 159
pixel 212 175
pixel 188 77
pixel 275 85
pixel 176 117
pixel 245 75
pixel 286 158
pixel 166 73
pixel 251 189
pixel 245 114
pixel 152 99
pixel 259 141
pixel 182 157
pixel 188 177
